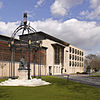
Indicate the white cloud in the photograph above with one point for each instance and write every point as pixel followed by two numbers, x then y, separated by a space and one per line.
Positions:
pixel 30 14
pixel 83 34
pixel 83 13
pixel 95 10
pixel 39 3
pixel 1 4
pixel 61 7
pixel 8 28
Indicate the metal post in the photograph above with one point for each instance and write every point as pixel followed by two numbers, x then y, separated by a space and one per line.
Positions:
pixel 40 62
pixel 28 60
pixel 10 66
pixel 34 64
pixel 11 61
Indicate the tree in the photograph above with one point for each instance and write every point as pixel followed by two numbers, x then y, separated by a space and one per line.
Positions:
pixel 92 62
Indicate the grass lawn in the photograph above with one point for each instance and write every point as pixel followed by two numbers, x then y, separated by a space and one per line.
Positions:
pixel 60 89
pixel 94 75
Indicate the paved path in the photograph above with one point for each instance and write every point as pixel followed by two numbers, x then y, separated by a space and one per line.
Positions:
pixel 94 81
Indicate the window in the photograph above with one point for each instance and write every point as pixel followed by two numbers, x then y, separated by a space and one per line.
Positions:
pixel 80 64
pixel 70 49
pixel 57 55
pixel 73 63
pixel 80 52
pixel 75 57
pixel 80 58
pixel 75 51
pixel 70 56
pixel 69 63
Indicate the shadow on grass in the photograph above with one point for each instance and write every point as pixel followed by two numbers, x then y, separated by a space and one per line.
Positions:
pixel 3 93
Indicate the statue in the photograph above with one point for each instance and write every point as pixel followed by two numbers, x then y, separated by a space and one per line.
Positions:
pixel 22 64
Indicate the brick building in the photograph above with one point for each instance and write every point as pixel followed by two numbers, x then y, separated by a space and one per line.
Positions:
pixel 57 56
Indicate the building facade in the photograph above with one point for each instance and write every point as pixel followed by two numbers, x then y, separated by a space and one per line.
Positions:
pixel 58 57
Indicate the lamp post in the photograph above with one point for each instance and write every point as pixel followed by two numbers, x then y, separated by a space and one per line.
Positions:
pixel 34 63
pixel 29 43
pixel 40 57
pixel 11 46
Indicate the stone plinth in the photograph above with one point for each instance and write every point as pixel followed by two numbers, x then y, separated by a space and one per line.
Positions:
pixel 23 74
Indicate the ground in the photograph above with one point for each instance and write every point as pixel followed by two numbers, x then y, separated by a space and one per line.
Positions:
pixel 60 89
pixel 93 80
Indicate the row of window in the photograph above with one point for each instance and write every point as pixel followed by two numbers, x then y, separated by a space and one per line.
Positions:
pixel 58 55
pixel 74 57
pixel 72 50
pixel 76 64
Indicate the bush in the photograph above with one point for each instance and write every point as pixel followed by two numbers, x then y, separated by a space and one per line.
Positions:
pixel 82 73
pixel 78 73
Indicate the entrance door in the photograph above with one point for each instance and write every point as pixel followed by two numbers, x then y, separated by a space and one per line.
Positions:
pixel 61 70
pixel 50 71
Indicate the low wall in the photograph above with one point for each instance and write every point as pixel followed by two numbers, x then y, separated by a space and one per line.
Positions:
pixel 5 69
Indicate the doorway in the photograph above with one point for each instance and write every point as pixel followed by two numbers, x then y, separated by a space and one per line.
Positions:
pixel 50 71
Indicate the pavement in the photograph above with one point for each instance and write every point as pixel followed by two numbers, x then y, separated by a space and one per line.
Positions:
pixel 82 78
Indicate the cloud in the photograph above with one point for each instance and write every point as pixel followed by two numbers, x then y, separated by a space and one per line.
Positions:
pixel 30 14
pixel 83 34
pixel 39 3
pixel 8 28
pixel 1 4
pixel 61 7
pixel 95 10
pixel 83 13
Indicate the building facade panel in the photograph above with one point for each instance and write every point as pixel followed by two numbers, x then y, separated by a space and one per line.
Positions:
pixel 58 57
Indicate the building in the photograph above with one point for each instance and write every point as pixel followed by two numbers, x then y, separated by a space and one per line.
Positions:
pixel 58 57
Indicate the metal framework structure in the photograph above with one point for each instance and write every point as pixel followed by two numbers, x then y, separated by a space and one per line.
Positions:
pixel 13 44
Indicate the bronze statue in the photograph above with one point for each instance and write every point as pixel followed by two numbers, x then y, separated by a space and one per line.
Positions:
pixel 22 63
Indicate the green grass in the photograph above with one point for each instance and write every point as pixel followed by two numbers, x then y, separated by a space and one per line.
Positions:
pixel 60 89
pixel 3 79
pixel 94 75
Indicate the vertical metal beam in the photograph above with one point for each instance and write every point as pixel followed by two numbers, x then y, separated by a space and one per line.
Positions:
pixel 10 65
pixel 11 62
pixel 34 64
pixel 40 62
pixel 28 60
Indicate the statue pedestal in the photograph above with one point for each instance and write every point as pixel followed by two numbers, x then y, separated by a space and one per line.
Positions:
pixel 23 74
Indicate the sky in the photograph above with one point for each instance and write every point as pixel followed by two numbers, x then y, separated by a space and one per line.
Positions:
pixel 74 21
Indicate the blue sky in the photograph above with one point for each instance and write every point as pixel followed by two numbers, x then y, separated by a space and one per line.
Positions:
pixel 74 21
pixel 12 10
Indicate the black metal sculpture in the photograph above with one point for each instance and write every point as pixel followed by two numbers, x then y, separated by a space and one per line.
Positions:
pixel 18 44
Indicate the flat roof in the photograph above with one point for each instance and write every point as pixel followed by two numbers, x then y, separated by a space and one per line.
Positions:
pixel 47 36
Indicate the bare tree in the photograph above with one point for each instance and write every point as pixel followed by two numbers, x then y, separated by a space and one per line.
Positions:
pixel 92 62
